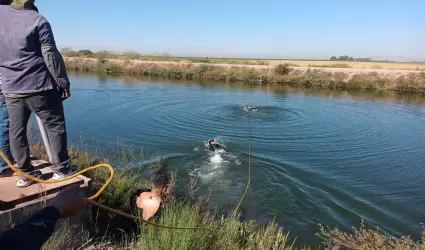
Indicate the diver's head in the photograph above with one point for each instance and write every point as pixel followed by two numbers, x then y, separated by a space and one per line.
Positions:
pixel 160 182
pixel 252 108
pixel 211 142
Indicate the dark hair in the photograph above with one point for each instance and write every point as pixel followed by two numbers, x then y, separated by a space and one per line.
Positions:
pixel 161 179
pixel 30 6
pixel 209 142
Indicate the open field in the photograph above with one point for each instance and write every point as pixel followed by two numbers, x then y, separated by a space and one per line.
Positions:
pixel 252 61
pixel 351 64
pixel 325 68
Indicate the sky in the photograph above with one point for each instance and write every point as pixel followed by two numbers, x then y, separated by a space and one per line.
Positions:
pixel 297 29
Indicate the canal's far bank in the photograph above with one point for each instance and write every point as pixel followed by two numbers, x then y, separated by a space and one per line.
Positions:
pixel 400 81
pixel 360 94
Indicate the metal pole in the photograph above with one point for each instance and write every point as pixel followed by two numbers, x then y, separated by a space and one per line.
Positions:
pixel 44 137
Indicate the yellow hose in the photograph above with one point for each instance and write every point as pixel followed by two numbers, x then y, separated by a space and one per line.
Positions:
pixel 96 195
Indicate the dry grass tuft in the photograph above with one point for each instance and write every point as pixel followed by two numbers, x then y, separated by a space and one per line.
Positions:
pixel 365 238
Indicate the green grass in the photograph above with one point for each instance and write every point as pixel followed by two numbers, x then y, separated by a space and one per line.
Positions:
pixel 66 238
pixel 226 233
pixel 279 75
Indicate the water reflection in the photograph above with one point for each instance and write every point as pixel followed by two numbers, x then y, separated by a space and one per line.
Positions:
pixel 270 88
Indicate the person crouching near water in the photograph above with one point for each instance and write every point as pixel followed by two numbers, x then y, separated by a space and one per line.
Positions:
pixel 150 201
pixel 213 145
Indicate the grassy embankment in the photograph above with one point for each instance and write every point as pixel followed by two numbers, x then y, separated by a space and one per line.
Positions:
pixel 227 232
pixel 130 55
pixel 278 75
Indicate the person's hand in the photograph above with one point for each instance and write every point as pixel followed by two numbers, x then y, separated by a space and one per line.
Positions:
pixel 66 94
pixel 69 201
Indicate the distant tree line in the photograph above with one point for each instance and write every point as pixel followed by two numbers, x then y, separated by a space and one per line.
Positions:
pixel 350 58
pixel 109 54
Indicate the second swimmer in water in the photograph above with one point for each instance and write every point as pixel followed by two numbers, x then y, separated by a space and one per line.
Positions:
pixel 212 145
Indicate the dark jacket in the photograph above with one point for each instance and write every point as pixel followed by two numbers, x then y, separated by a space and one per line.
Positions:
pixel 29 59
pixel 33 233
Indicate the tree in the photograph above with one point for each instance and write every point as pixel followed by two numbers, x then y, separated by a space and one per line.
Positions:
pixel 85 52
pixel 282 69
pixel 65 50
pixel 333 58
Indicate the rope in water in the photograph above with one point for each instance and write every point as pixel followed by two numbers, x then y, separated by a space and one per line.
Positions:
pixel 248 183
pixel 97 194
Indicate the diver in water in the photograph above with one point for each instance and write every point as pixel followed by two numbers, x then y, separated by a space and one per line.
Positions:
pixel 212 145
pixel 251 108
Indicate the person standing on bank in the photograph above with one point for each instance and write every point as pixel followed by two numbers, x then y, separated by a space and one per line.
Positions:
pixel 34 79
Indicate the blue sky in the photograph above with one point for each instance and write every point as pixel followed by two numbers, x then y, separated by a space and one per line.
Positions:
pixel 391 29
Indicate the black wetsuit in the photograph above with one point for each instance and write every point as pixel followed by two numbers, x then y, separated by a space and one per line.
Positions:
pixel 215 146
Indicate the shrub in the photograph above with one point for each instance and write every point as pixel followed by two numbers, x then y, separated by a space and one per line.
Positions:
pixel 365 238
pixel 85 52
pixel 282 69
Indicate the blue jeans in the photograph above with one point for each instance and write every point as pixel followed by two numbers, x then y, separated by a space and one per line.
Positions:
pixel 4 133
